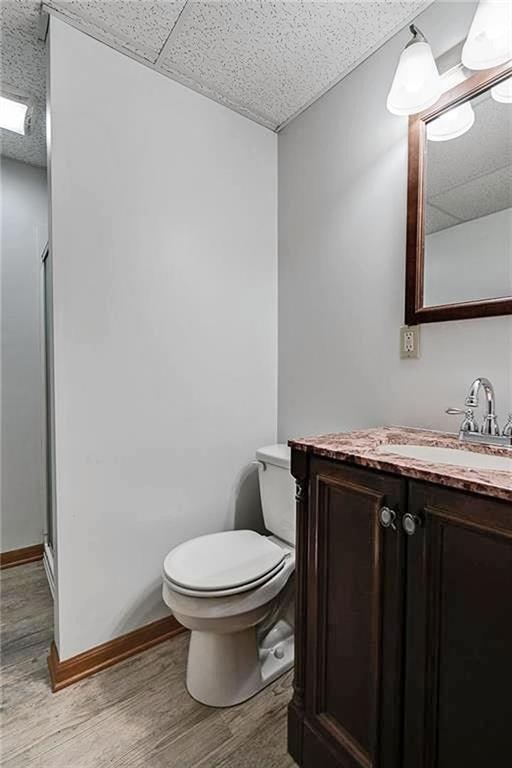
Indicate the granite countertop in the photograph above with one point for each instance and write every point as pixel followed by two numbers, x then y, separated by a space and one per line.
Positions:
pixel 360 447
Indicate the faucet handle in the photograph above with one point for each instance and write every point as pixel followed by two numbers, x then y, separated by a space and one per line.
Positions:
pixel 468 424
pixel 507 429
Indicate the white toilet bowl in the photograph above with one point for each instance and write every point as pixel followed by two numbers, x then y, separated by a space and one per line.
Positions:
pixel 235 591
pixel 242 635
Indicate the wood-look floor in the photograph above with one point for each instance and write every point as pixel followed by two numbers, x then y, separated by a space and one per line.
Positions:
pixel 137 714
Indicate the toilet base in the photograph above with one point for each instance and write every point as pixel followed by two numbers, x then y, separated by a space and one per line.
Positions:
pixel 227 669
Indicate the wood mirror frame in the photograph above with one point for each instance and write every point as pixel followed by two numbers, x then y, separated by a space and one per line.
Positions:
pixel 415 311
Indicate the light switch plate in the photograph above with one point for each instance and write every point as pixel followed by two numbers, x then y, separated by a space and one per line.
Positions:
pixel 409 341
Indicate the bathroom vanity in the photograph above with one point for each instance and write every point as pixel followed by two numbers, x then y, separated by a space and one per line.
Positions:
pixel 404 603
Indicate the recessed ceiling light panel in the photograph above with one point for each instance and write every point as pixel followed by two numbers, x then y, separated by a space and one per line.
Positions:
pixel 14 115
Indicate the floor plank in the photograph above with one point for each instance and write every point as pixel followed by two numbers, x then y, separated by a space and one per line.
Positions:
pixel 136 714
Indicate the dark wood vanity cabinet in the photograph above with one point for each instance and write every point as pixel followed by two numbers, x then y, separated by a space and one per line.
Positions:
pixel 403 641
pixel 458 661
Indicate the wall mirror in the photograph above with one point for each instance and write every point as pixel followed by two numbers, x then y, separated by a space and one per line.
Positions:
pixel 459 227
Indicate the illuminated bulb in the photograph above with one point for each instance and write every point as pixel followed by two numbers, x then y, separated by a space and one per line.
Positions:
pixel 503 92
pixel 489 42
pixel 452 124
pixel 456 121
pixel 416 84
pixel 12 115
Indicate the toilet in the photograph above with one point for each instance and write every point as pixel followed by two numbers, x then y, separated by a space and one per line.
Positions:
pixel 235 591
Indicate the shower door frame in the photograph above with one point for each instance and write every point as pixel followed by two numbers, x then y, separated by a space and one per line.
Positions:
pixel 48 459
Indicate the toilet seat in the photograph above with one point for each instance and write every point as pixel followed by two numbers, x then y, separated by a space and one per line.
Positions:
pixel 226 592
pixel 223 564
pixel 190 609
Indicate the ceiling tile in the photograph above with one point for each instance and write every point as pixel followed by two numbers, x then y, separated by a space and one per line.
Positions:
pixel 273 58
pixel 23 59
pixel 435 220
pixel 486 147
pixel 139 26
pixel 479 197
pixel 471 176
pixel 265 59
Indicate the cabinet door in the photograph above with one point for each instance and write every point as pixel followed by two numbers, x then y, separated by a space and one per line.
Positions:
pixel 458 688
pixel 353 620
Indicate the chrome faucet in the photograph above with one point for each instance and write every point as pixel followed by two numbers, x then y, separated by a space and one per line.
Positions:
pixel 490 423
pixel 489 432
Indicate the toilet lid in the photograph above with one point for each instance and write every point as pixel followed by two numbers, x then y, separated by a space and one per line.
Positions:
pixel 222 561
pixel 226 592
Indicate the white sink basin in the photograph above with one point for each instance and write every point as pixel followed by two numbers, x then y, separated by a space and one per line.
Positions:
pixel 453 456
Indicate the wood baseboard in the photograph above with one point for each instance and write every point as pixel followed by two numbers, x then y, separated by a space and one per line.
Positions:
pixel 64 673
pixel 21 556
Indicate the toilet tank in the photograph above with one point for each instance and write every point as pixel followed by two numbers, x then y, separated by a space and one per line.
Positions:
pixel 277 490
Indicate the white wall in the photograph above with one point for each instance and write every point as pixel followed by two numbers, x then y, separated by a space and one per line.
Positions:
pixel 165 298
pixel 470 261
pixel 24 216
pixel 342 218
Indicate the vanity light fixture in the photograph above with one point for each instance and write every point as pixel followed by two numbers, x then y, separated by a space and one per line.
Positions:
pixel 417 83
pixel 503 91
pixel 489 42
pixel 14 115
pixel 456 121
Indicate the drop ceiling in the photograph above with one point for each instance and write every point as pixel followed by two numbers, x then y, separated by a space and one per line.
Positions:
pixel 23 68
pixel 471 176
pixel 267 60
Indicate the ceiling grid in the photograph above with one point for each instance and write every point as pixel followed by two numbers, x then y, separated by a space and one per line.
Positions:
pixel 266 59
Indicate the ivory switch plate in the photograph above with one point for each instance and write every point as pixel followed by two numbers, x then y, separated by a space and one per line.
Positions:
pixel 409 341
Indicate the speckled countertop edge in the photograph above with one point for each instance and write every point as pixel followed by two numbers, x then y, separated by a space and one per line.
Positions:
pixel 359 447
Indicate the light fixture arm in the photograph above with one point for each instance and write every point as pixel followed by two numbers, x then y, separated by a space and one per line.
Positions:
pixel 417 36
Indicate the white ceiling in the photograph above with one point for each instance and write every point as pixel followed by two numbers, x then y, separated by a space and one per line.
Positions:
pixel 471 176
pixel 23 66
pixel 267 59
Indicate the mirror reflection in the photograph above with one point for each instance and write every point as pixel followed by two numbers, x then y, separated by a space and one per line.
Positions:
pixel 468 210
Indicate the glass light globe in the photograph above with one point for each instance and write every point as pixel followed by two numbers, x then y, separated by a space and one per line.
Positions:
pixel 416 84
pixel 489 42
pixel 452 124
pixel 503 92
pixel 456 121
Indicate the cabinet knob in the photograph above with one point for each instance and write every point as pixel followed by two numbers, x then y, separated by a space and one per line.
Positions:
pixel 387 517
pixel 410 523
